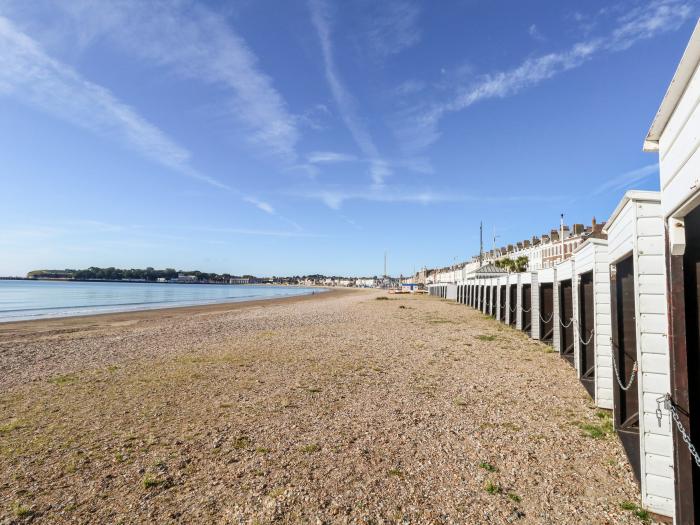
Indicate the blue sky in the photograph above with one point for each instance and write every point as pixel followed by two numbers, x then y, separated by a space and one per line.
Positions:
pixel 282 138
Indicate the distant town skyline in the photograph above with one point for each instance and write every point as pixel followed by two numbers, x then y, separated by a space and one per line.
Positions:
pixel 310 137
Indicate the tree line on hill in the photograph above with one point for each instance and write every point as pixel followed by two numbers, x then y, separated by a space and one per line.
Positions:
pixel 118 274
pixel 151 274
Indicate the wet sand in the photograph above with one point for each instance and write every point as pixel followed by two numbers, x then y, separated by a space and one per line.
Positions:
pixel 333 408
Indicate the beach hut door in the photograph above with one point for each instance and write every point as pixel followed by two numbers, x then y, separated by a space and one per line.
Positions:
pixel 687 375
pixel 502 304
pixel 566 331
pixel 513 291
pixel 586 327
pixel 624 348
pixel 526 301
pixel 546 312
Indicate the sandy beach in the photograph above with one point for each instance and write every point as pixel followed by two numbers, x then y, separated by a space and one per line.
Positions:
pixel 344 407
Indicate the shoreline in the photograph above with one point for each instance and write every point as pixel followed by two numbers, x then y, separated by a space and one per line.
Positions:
pixel 164 311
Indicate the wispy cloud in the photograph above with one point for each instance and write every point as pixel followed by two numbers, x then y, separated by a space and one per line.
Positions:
pixel 336 198
pixel 535 33
pixel 419 125
pixel 194 43
pixel 647 21
pixel 30 75
pixel 626 180
pixel 260 232
pixel 261 205
pixel 198 45
pixel 325 157
pixel 393 27
pixel 320 18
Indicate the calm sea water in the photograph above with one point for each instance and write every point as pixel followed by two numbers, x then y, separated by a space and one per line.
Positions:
pixel 20 300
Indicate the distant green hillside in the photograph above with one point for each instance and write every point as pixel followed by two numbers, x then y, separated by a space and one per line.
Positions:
pixel 51 274
pixel 116 274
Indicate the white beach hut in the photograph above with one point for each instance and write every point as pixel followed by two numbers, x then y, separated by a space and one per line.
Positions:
pixel 591 328
pixel 640 343
pixel 524 302
pixel 501 298
pixel 543 305
pixel 493 299
pixel 488 298
pixel 511 299
pixel 563 339
pixel 675 134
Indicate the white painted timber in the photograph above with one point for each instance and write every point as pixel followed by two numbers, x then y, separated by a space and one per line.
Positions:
pixel 636 227
pixel 592 256
pixel 562 272
pixel 535 306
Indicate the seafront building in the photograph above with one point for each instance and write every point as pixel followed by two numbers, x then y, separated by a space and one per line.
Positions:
pixel 619 301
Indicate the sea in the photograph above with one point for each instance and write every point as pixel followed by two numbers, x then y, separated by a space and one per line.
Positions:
pixel 24 300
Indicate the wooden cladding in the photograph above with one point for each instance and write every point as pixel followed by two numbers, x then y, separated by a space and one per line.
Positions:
pixel 586 324
pixel 546 312
pixel 502 303
pixel 624 353
pixel 526 301
pixel 566 313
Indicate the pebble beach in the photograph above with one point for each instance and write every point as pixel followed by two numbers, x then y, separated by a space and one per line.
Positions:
pixel 344 407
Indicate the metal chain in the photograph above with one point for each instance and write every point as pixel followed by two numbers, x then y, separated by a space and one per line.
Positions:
pixel 546 321
pixel 571 321
pixel 526 311
pixel 617 374
pixel 590 337
pixel 668 405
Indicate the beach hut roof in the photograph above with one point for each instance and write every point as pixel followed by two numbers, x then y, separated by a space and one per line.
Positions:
pixel 591 240
pixel 632 195
pixel 684 72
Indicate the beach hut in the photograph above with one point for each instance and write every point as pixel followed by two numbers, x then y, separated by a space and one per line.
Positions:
pixel 640 344
pixel 502 286
pixel 494 298
pixel 451 292
pixel 543 305
pixel 489 297
pixel 675 135
pixel 488 300
pixel 524 303
pixel 591 328
pixel 485 278
pixel 512 300
pixel 438 290
pixel 564 311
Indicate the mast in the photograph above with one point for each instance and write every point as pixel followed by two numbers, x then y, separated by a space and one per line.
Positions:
pixel 481 244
